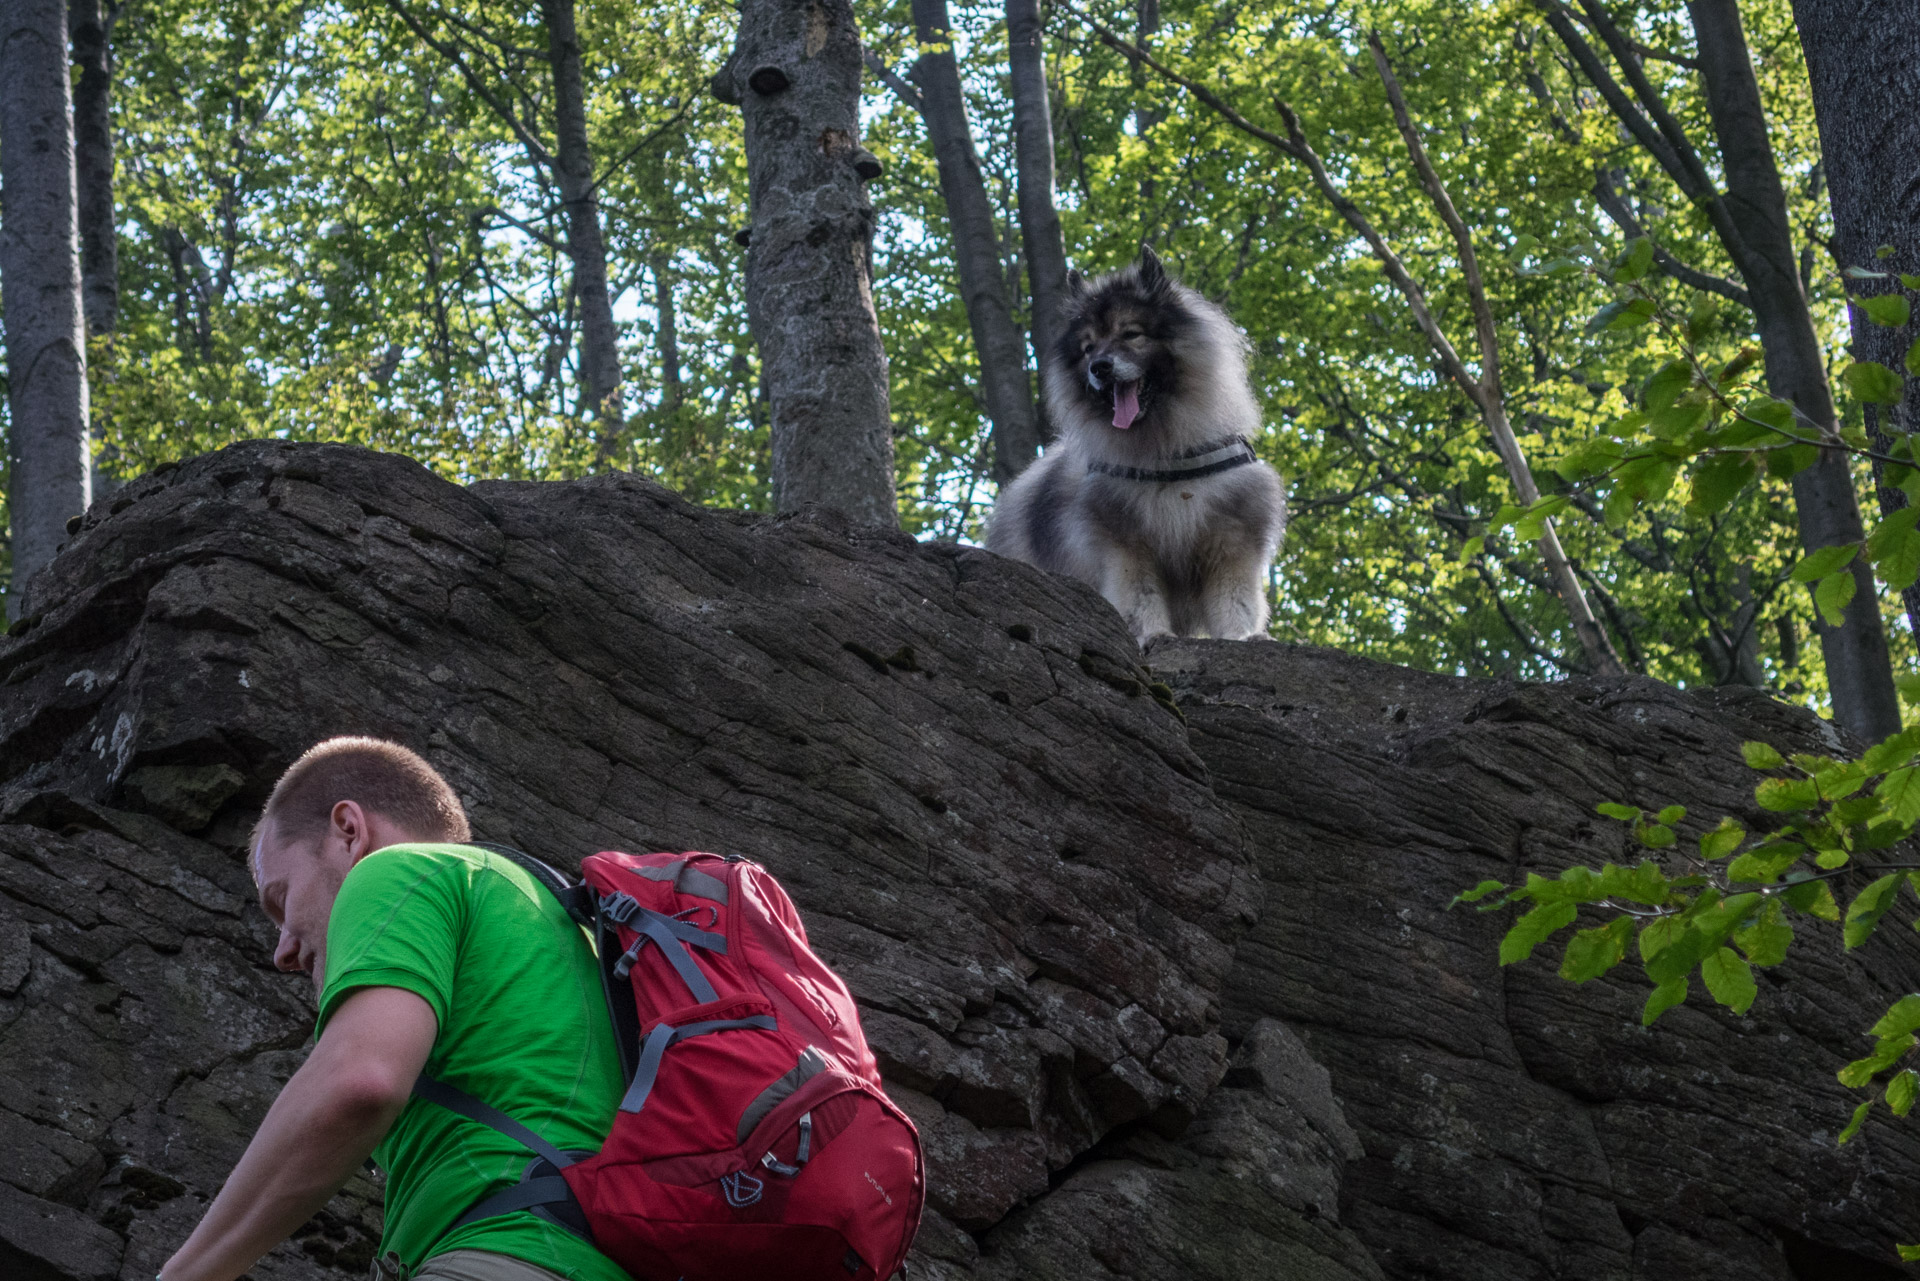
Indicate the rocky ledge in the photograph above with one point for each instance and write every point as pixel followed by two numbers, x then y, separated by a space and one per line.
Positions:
pixel 1154 951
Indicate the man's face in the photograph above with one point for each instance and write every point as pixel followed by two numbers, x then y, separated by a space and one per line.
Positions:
pixel 298 881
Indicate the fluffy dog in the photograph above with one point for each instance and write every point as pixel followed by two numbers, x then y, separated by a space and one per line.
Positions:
pixel 1151 492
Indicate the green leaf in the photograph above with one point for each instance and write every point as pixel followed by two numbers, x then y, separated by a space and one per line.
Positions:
pixel 1900 1091
pixel 1891 310
pixel 1814 898
pixel 1591 953
pixel 1900 566
pixel 1633 264
pixel 1832 595
pixel 1899 794
pixel 1613 809
pixel 1657 934
pixel 1888 1051
pixel 1672 814
pixel 1722 840
pixel 1717 481
pixel 1643 883
pixel 1913 358
pixel 1532 526
pixel 1766 941
pixel 1901 1018
pixel 1533 929
pixel 1762 755
pixel 1786 795
pixel 1874 382
pixel 1859 1119
pixel 1478 892
pixel 1868 906
pixel 1664 997
pixel 1472 547
pixel 1764 865
pixel 1889 752
pixel 1604 318
pixel 1730 980
pixel 1666 386
pixel 1824 561
pixel 1908 1253
pixel 1655 836
pixel 1861 273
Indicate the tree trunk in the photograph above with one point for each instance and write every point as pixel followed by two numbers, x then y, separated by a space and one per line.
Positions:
pixel 90 28
pixel 976 247
pixel 1863 58
pixel 90 24
pixel 599 340
pixel 1859 668
pixel 1033 148
pixel 667 331
pixel 40 281
pixel 795 73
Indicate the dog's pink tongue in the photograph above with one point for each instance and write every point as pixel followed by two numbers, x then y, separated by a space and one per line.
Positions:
pixel 1126 404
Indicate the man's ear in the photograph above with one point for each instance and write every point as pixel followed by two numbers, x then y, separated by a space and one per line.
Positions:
pixel 348 822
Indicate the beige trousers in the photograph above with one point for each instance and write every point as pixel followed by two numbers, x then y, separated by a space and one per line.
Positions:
pixel 480 1265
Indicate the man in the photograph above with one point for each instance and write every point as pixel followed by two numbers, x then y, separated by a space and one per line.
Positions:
pixel 426 954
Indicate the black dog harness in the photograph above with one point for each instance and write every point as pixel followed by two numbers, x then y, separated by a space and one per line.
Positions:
pixel 1220 455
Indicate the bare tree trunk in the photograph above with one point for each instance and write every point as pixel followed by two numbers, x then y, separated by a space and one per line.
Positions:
pixel 90 28
pixel 976 247
pixel 1859 668
pixel 1863 58
pixel 90 24
pixel 795 72
pixel 40 281
pixel 1033 149
pixel 599 340
pixel 667 331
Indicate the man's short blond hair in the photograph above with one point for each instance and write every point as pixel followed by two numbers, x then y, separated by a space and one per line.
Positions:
pixel 382 777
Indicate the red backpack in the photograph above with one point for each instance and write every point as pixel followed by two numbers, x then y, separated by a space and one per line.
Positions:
pixel 755 1139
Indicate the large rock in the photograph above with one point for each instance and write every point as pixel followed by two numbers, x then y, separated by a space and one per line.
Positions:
pixel 1041 869
pixel 995 831
pixel 1514 1125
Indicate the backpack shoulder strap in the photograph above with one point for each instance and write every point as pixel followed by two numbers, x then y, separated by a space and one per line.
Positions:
pixel 576 898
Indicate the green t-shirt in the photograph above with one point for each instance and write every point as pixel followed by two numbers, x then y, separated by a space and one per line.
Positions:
pixel 523 1027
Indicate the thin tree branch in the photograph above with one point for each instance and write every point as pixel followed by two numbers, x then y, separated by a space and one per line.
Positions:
pixel 901 86
pixel 1483 327
pixel 1625 53
pixel 1616 98
pixel 1622 214
pixel 541 156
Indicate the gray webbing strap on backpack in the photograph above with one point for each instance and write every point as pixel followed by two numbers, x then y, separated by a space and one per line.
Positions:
pixel 687 879
pixel 665 1034
pixel 674 938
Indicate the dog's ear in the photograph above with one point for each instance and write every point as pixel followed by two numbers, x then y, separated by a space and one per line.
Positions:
pixel 1153 276
pixel 1076 283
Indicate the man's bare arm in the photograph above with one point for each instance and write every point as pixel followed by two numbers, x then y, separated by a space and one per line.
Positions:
pixel 330 1116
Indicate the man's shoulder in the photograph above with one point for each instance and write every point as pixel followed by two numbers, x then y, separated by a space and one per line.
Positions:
pixel 441 870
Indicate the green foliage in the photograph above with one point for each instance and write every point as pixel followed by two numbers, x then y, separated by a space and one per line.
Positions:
pixel 1727 910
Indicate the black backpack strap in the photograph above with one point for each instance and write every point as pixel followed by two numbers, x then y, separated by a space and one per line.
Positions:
pixel 575 898
pixel 541 1188
pixel 463 1104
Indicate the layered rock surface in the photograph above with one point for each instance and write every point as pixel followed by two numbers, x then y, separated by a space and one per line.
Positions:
pixel 1041 870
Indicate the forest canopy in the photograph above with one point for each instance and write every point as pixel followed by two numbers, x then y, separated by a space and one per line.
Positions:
pixel 349 222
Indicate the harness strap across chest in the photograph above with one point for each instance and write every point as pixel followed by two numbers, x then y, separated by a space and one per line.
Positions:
pixel 1218 456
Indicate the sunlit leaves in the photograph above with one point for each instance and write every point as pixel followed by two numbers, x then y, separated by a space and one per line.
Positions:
pixel 1874 382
